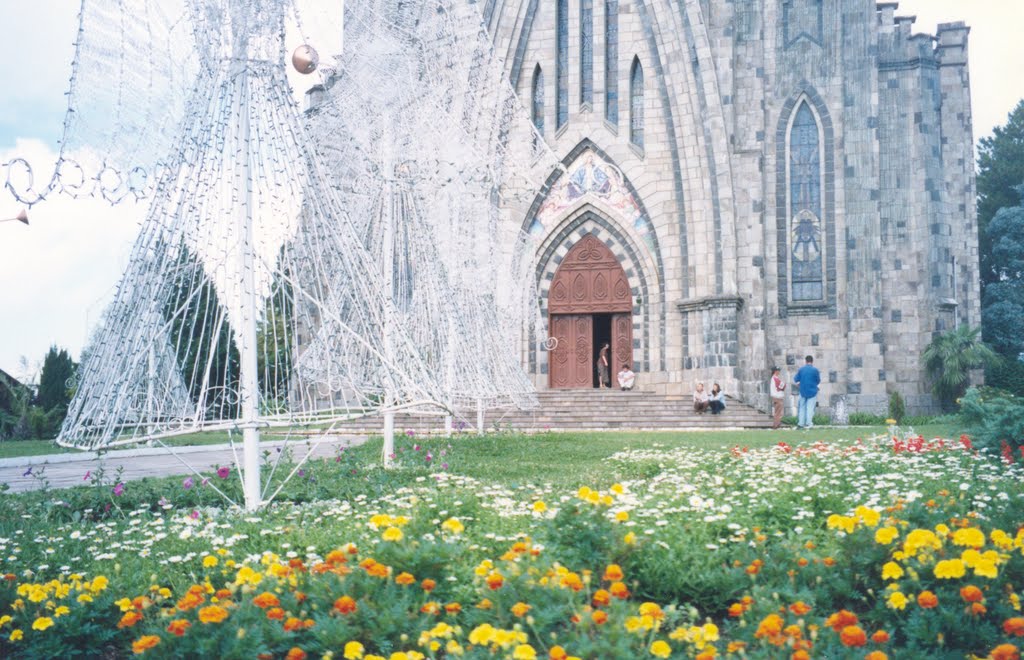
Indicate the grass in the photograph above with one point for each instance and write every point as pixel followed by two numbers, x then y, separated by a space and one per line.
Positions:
pixel 21 448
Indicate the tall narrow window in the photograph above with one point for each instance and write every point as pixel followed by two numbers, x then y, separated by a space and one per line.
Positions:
pixel 636 103
pixel 538 99
pixel 562 63
pixel 587 52
pixel 806 236
pixel 611 61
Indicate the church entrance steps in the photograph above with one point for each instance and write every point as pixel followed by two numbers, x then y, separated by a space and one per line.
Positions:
pixel 583 410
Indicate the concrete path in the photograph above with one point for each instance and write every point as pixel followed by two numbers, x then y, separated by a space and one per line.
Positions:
pixel 67 470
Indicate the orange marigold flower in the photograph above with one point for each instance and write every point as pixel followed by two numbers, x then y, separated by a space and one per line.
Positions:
pixel 799 608
pixel 876 655
pixel 141 602
pixel 735 647
pixel 736 610
pixel 793 631
pixel 977 609
pixel 520 609
pixel 431 607
pixel 1005 652
pixel 378 570
pixel 1014 626
pixel 345 605
pixel 572 581
pixel 652 610
pixel 495 580
pixel 613 573
pixel 802 562
pixel 770 626
pixel 428 585
pixel 879 637
pixel 971 594
pixel 557 653
pixel 178 627
pixel 841 619
pixel 213 614
pixel 292 624
pixel 129 619
pixel 828 561
pixel 599 616
pixel 335 557
pixel 404 579
pixel 223 593
pixel 853 636
pixel 485 604
pixel 453 608
pixel 300 597
pixel 265 600
pixel 927 600
pixel 800 655
pixel 619 590
pixel 295 653
pixel 601 597
pixel 275 614
pixel 709 654
pixel 144 643
pixel 190 600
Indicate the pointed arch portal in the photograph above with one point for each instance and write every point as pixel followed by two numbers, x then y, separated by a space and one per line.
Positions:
pixel 590 303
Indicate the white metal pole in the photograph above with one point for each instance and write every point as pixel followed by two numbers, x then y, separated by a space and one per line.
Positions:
pixel 479 416
pixel 150 387
pixel 248 364
pixel 388 264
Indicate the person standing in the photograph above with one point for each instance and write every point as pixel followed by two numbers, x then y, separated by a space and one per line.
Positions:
pixel 604 367
pixel 808 378
pixel 777 389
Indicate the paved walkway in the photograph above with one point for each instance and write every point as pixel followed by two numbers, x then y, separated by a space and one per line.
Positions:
pixel 66 470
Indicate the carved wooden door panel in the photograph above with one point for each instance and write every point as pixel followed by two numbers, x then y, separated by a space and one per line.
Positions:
pixel 571 362
pixel 622 342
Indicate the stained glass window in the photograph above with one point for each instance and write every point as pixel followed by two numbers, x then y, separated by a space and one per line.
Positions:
pixel 636 103
pixel 805 206
pixel 538 99
pixel 611 61
pixel 562 63
pixel 587 52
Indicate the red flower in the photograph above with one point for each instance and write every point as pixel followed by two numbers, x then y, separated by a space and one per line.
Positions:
pixel 345 605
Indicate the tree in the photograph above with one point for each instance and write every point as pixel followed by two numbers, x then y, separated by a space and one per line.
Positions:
pixel 55 379
pixel 951 357
pixel 1000 170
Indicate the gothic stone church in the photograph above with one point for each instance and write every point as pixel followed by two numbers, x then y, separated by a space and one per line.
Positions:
pixel 746 182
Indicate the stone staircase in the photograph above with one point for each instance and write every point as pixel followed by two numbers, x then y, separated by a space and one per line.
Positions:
pixel 583 410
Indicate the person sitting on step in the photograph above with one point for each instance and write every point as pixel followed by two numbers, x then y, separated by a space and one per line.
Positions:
pixel 626 378
pixel 717 401
pixel 700 399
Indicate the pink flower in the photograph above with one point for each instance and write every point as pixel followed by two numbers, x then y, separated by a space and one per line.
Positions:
pixel 188 483
pixel 119 489
pixel 194 514
pixel 88 473
pixel 223 472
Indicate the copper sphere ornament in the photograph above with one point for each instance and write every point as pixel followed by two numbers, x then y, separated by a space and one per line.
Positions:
pixel 305 59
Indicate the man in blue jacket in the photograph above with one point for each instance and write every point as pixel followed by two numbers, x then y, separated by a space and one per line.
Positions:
pixel 808 378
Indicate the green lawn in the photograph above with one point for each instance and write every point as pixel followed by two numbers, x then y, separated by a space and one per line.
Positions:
pixel 18 448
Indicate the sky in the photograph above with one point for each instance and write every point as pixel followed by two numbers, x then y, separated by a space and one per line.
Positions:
pixel 61 271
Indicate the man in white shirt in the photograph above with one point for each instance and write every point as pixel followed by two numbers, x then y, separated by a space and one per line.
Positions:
pixel 626 377
pixel 777 388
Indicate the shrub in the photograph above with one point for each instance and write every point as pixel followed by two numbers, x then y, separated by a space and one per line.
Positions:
pixel 897 409
pixel 1009 376
pixel 866 419
pixel 993 417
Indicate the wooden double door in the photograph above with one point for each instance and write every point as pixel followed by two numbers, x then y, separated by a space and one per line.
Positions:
pixel 590 302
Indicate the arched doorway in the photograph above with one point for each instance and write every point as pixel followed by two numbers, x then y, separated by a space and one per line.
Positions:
pixel 590 302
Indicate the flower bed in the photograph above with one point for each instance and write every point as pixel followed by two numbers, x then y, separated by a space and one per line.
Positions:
pixel 842 550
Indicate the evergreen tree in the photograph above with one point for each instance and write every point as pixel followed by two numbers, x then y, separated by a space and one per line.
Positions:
pixel 951 357
pixel 1000 170
pixel 55 380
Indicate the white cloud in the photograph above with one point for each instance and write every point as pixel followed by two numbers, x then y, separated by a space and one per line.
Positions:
pixel 58 273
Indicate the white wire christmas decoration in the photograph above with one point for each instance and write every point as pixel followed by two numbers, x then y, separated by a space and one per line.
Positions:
pixel 289 275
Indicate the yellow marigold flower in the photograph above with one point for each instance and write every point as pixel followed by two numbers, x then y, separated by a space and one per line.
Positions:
pixel 213 614
pixel 710 631
pixel 622 516
pixel 374 657
pixel 941 529
pixel 886 535
pixel 482 635
pixel 583 493
pixel 380 520
pixel 629 539
pixel 164 592
pixel 398 655
pixel 845 523
pixel 84 598
pixel 617 488
pixel 920 539
pixel 99 583
pixel 484 568
pixel 986 568
pixel 1001 539
pixel 870 517
pixel 540 507
pixel 524 652
pixel 16 635
pixel 950 569
pixel 354 651
pixel 607 500
pixel 660 649
pixel 61 611
pixel 897 600
pixel 246 575
pixel 42 623
pixel 392 534
pixel 5 619
pixel 892 571
pixel 453 525
pixel 209 561
pixel 971 537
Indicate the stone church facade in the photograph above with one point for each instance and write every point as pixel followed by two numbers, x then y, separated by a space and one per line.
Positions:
pixel 746 182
